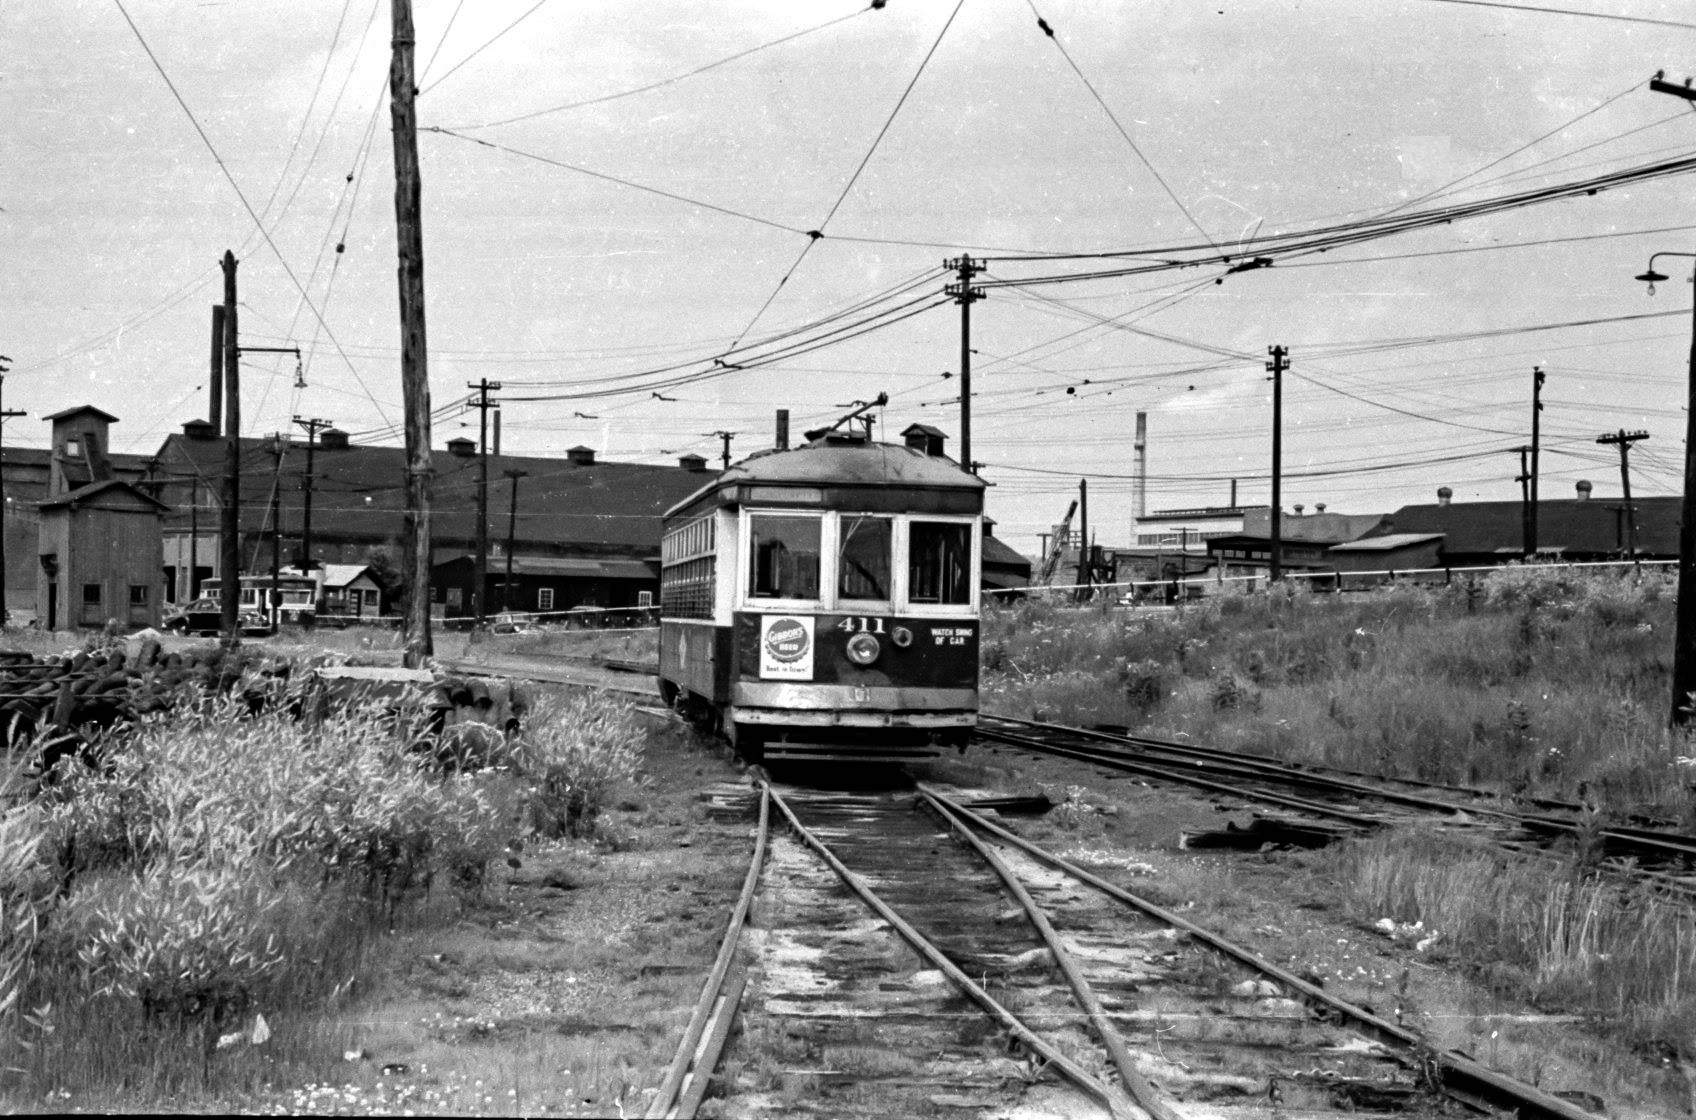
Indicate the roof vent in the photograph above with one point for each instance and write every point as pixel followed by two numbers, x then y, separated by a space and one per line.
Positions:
pixel 199 430
pixel 924 439
pixel 581 456
pixel 692 462
pixel 462 447
pixel 1318 507
pixel 332 439
pixel 1298 507
pixel 1584 489
pixel 1444 494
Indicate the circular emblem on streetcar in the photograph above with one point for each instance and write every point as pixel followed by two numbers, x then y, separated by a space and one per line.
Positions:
pixel 786 640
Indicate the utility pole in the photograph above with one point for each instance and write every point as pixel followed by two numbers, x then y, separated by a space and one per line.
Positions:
pixel 726 437
pixel 1537 379
pixel 275 614
pixel 229 563
pixel 5 415
pixel 1524 480
pixel 511 536
pixel 216 411
pixel 313 427
pixel 964 295
pixel 1684 641
pixel 482 404
pixel 414 359
pixel 1277 366
pixel 1625 439
pixel 1083 537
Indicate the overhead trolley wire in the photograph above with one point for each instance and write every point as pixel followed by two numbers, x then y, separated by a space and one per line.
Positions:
pixel 246 205
pixel 1545 10
pixel 815 235
pixel 454 69
pixel 585 102
pixel 1048 30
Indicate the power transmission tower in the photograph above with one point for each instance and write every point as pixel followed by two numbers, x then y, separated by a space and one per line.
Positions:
pixel 965 295
pixel 313 427
pixel 511 536
pixel 1277 366
pixel 1537 379
pixel 482 404
pixel 1625 439
pixel 414 356
pixel 229 563
pixel 724 456
pixel 5 415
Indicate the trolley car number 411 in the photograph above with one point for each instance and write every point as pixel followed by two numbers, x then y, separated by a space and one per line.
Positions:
pixel 855 624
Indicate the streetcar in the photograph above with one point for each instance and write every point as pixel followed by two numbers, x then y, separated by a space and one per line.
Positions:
pixel 821 602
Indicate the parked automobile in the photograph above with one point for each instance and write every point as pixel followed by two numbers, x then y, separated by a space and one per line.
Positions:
pixel 204 616
pixel 513 624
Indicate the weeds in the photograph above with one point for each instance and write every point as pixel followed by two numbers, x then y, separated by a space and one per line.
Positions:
pixel 583 748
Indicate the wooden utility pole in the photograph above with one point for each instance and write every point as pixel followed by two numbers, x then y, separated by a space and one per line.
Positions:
pixel 726 437
pixel 965 295
pixel 313 427
pixel 414 360
pixel 1526 545
pixel 1537 379
pixel 479 590
pixel 275 615
pixel 1277 366
pixel 229 562
pixel 511 536
pixel 5 415
pixel 1625 439
pixel 216 412
pixel 1083 537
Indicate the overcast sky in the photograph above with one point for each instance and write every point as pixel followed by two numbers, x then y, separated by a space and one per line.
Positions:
pixel 585 296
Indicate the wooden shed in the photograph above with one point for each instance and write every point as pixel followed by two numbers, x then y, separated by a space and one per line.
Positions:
pixel 100 543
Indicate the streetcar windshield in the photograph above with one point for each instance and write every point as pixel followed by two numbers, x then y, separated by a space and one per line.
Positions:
pixel 863 569
pixel 939 563
pixel 785 555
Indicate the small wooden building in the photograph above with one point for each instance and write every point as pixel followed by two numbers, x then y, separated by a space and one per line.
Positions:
pixel 99 543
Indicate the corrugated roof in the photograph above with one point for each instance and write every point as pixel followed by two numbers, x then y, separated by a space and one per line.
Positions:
pixel 1389 542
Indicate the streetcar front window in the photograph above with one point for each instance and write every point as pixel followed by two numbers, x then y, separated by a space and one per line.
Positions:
pixel 785 556
pixel 863 569
pixel 939 563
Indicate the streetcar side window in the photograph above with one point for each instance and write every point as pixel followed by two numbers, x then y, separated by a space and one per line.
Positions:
pixel 785 556
pixel 939 563
pixel 864 560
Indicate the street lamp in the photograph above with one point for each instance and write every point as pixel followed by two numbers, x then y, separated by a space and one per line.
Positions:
pixel 1684 640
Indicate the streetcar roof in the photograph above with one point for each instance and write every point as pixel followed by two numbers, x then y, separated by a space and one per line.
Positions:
pixel 838 473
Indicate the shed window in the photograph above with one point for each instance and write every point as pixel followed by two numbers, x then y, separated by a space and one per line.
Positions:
pixel 864 567
pixel 544 598
pixel 785 556
pixel 91 594
pixel 939 565
pixel 138 594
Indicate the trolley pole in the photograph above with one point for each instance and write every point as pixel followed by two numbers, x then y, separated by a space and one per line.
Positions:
pixel 964 295
pixel 1276 367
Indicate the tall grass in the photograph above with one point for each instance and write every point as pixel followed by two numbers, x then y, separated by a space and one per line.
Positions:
pixel 1530 681
pixel 1556 935
pixel 226 865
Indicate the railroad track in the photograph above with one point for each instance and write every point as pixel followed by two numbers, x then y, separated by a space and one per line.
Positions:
pixel 911 957
pixel 1350 801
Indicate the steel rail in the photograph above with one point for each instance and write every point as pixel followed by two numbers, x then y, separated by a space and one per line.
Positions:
pixel 1473 1079
pixel 1643 841
pixel 1360 820
pixel 716 1005
pixel 1109 1098
pixel 1143 1091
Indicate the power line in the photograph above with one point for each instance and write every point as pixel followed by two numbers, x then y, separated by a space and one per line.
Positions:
pixel 1568 12
pixel 455 68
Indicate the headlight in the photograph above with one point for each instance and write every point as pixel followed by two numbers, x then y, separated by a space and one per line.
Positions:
pixel 902 637
pixel 863 649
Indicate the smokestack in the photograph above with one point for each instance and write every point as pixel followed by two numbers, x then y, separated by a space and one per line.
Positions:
pixel 1584 490
pixel 1443 495
pixel 216 381
pixel 783 429
pixel 1141 448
